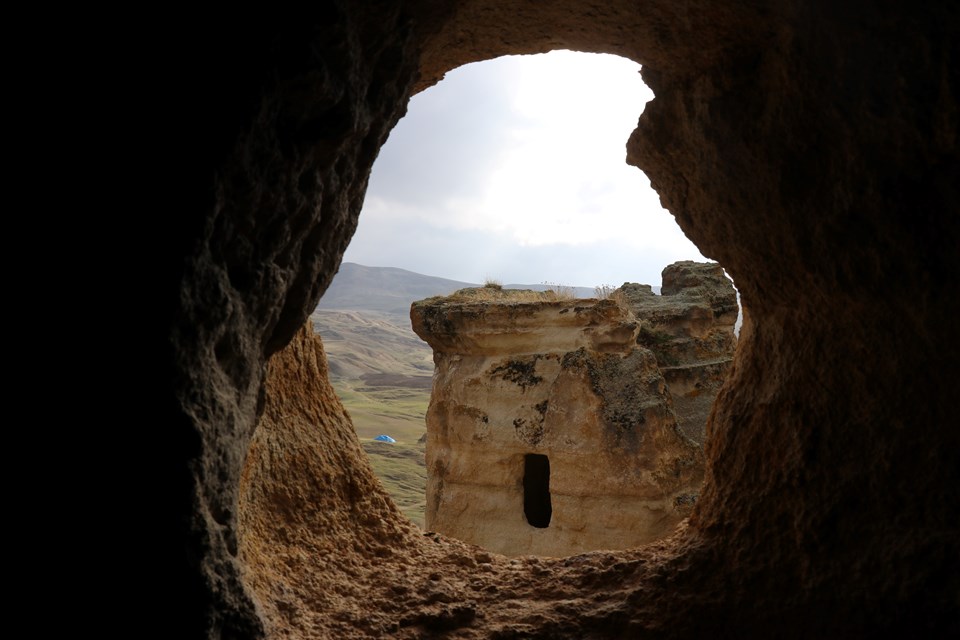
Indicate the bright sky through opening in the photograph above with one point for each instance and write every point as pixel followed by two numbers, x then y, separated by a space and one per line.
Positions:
pixel 513 169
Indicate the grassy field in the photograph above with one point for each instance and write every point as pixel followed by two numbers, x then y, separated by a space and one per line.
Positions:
pixel 401 469
pixel 382 372
pixel 399 413
pixel 395 411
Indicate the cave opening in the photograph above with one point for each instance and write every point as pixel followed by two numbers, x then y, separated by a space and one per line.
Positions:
pixel 513 170
pixel 510 171
pixel 792 516
pixel 537 507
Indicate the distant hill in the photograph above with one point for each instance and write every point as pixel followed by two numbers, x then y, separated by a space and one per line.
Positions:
pixel 384 289
pixel 360 343
pixel 391 290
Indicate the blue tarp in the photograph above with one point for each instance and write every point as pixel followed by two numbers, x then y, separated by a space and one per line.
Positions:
pixel 383 438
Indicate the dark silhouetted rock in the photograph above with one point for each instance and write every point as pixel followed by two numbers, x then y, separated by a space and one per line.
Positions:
pixel 809 147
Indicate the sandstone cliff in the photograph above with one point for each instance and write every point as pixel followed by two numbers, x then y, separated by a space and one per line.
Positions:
pixel 550 430
pixel 690 329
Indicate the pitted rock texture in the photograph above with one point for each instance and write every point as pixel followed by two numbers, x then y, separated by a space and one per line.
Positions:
pixel 561 379
pixel 690 329
pixel 809 147
pixel 326 554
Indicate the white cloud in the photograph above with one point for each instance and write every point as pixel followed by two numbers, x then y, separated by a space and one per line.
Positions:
pixel 523 155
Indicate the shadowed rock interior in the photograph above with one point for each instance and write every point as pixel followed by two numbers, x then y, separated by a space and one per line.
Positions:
pixel 808 147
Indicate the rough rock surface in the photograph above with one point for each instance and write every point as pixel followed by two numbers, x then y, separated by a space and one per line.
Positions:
pixel 809 147
pixel 689 327
pixel 326 554
pixel 564 379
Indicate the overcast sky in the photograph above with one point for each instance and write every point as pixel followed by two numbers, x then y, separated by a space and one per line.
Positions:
pixel 514 169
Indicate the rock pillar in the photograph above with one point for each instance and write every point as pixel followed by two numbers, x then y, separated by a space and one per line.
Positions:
pixel 550 431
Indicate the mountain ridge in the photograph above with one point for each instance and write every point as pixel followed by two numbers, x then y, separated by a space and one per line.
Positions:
pixel 392 290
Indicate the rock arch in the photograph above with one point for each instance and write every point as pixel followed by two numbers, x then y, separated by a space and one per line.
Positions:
pixel 809 147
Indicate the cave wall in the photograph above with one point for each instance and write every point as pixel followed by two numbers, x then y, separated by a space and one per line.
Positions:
pixel 810 148
pixel 285 116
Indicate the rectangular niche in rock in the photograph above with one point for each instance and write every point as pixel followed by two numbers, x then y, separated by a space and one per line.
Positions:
pixel 536 490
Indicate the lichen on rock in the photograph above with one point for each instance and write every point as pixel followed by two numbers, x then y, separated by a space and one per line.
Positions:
pixel 690 330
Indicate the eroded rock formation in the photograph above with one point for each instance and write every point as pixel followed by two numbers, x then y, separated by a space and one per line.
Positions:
pixel 809 147
pixel 326 554
pixel 562 384
pixel 689 327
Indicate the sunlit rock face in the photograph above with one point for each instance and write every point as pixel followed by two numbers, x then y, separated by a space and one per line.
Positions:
pixel 690 329
pixel 563 380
